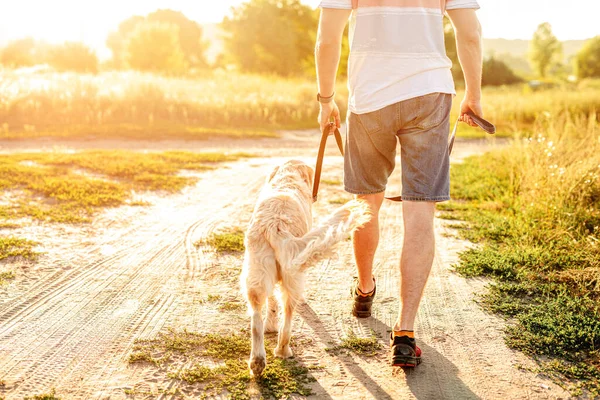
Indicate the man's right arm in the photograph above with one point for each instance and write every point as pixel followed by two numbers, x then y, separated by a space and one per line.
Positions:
pixel 468 43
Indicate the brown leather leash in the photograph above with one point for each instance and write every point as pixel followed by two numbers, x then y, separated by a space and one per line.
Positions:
pixel 482 123
pixel 322 145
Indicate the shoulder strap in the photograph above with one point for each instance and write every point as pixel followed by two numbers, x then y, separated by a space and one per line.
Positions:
pixel 354 4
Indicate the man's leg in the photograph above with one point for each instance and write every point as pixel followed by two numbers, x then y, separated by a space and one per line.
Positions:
pixel 365 242
pixel 417 258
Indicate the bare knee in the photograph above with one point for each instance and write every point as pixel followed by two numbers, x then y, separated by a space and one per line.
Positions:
pixel 418 216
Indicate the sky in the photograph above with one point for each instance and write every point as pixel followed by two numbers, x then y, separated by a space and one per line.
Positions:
pixel 53 21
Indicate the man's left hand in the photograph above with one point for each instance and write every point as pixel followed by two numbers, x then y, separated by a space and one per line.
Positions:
pixel 329 113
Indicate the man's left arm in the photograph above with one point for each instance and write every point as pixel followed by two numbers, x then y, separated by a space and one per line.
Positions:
pixel 327 57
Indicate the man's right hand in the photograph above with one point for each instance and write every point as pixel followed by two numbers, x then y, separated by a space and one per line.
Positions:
pixel 470 104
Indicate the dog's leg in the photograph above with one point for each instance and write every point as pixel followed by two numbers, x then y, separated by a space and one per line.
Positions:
pixel 272 310
pixel 292 294
pixel 258 356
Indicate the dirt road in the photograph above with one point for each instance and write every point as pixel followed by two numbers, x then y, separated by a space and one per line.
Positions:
pixel 69 322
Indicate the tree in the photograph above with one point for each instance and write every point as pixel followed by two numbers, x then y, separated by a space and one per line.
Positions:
pixel 497 73
pixel 189 35
pixel 19 53
pixel 274 36
pixel 155 47
pixel 117 41
pixel 587 60
pixel 544 49
pixel 73 56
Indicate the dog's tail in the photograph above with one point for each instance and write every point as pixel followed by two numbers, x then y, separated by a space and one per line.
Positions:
pixel 302 252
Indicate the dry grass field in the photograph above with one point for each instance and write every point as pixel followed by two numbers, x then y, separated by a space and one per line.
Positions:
pixel 144 106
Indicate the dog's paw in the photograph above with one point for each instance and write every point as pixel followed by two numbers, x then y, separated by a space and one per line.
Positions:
pixel 285 352
pixel 257 364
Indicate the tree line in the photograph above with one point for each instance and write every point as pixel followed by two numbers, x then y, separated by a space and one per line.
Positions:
pixel 260 36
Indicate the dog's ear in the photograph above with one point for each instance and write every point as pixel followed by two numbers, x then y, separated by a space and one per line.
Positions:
pixel 308 174
pixel 273 173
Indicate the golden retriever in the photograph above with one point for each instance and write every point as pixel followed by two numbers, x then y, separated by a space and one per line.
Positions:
pixel 281 245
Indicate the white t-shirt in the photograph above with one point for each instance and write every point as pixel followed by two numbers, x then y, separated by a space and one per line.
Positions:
pixel 397 50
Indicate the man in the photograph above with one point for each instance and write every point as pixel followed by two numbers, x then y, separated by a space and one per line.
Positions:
pixel 401 88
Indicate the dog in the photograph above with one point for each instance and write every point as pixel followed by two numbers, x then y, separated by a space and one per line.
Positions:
pixel 280 245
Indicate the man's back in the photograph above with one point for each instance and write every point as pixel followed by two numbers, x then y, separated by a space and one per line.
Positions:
pixel 397 50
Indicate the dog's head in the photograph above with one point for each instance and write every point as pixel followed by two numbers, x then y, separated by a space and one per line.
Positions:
pixel 294 173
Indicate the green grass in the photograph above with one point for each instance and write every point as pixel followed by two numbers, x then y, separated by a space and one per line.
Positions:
pixel 368 346
pixel 71 187
pixel 331 182
pixel 45 396
pixel 232 306
pixel 11 247
pixel 218 362
pixel 5 277
pixel 338 200
pixel 534 210
pixel 231 241
pixel 141 131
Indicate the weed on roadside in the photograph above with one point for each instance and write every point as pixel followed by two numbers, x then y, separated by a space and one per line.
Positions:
pixel 45 396
pixel 70 187
pixel 331 182
pixel 17 247
pixel 534 209
pixel 218 362
pixel 231 241
pixel 338 200
pixel 368 346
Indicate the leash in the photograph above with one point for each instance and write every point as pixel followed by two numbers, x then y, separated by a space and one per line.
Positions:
pixel 482 123
pixel 322 145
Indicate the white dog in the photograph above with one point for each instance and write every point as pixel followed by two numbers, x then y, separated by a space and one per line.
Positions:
pixel 280 245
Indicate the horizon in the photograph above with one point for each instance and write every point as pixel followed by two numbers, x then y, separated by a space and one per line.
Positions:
pixel 51 24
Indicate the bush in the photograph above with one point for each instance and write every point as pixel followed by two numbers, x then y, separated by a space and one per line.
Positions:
pixel 587 61
pixel 19 53
pixel 189 35
pixel 74 57
pixel 497 73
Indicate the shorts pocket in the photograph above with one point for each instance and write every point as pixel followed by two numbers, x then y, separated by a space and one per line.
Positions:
pixel 370 122
pixel 432 110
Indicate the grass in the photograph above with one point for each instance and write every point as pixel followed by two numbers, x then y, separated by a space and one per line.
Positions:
pixel 5 277
pixel 218 362
pixel 134 105
pixel 231 241
pixel 71 187
pixel 232 306
pixel 534 210
pixel 368 346
pixel 11 247
pixel 331 182
pixel 137 105
pixel 45 396
pixel 338 200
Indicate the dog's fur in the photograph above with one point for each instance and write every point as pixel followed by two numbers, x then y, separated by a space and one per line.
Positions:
pixel 280 246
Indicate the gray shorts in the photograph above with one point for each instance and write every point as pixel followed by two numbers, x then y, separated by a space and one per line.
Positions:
pixel 422 125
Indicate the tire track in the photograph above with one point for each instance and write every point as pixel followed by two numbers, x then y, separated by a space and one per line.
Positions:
pixel 78 324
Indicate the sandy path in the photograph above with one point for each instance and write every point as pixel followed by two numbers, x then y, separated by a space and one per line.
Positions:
pixel 70 321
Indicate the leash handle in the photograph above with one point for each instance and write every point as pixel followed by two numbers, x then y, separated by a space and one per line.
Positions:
pixel 324 136
pixel 480 122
